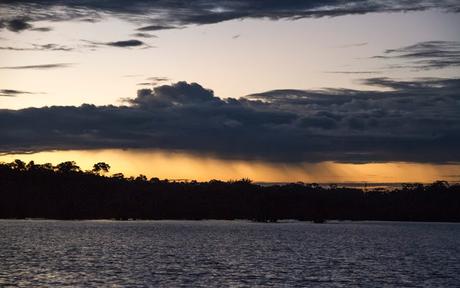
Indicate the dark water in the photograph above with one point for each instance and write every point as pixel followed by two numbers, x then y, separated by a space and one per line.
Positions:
pixel 222 254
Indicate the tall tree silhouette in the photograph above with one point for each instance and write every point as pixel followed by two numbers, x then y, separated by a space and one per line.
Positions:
pixel 67 167
pixel 100 167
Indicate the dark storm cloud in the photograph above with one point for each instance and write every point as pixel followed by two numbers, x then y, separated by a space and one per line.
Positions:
pixel 41 66
pixel 12 92
pixel 410 121
pixel 426 55
pixel 168 14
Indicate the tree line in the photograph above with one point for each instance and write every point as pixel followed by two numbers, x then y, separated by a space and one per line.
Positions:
pixel 65 191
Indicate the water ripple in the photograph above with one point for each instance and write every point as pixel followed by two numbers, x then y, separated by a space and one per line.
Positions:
pixel 228 254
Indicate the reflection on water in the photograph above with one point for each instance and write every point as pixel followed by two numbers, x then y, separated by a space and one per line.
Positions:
pixel 228 253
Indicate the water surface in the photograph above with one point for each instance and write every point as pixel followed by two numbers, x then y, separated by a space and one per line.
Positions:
pixel 228 253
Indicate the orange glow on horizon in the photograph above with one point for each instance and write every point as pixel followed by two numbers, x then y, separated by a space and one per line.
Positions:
pixel 180 165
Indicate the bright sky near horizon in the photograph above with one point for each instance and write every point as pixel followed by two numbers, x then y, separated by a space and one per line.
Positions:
pixel 184 166
pixel 378 91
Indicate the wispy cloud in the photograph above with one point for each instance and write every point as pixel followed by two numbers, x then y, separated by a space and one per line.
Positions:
pixel 12 92
pixel 119 44
pixel 353 45
pixel 153 81
pixel 144 35
pixel 40 66
pixel 42 29
pixel 39 47
pixel 353 72
pixel 125 43
pixel 156 27
pixel 158 79
pixel 425 55
pixel 133 75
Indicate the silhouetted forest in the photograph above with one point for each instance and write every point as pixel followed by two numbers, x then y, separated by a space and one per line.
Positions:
pixel 65 191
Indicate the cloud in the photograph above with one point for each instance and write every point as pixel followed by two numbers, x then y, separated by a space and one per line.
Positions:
pixel 12 92
pixel 144 35
pixel 156 27
pixel 353 72
pixel 41 66
pixel 16 25
pixel 181 93
pixel 39 47
pixel 133 75
pixel 153 81
pixel 126 43
pixel 42 29
pixel 158 79
pixel 119 44
pixel 160 15
pixel 353 45
pixel 414 121
pixel 426 55
pixel 19 25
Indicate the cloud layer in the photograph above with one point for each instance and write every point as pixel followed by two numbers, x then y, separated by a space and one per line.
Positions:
pixel 167 14
pixel 413 121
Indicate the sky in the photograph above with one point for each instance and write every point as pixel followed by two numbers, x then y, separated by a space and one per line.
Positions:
pixel 314 91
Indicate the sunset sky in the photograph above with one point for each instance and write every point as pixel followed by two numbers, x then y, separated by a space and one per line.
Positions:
pixel 314 91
